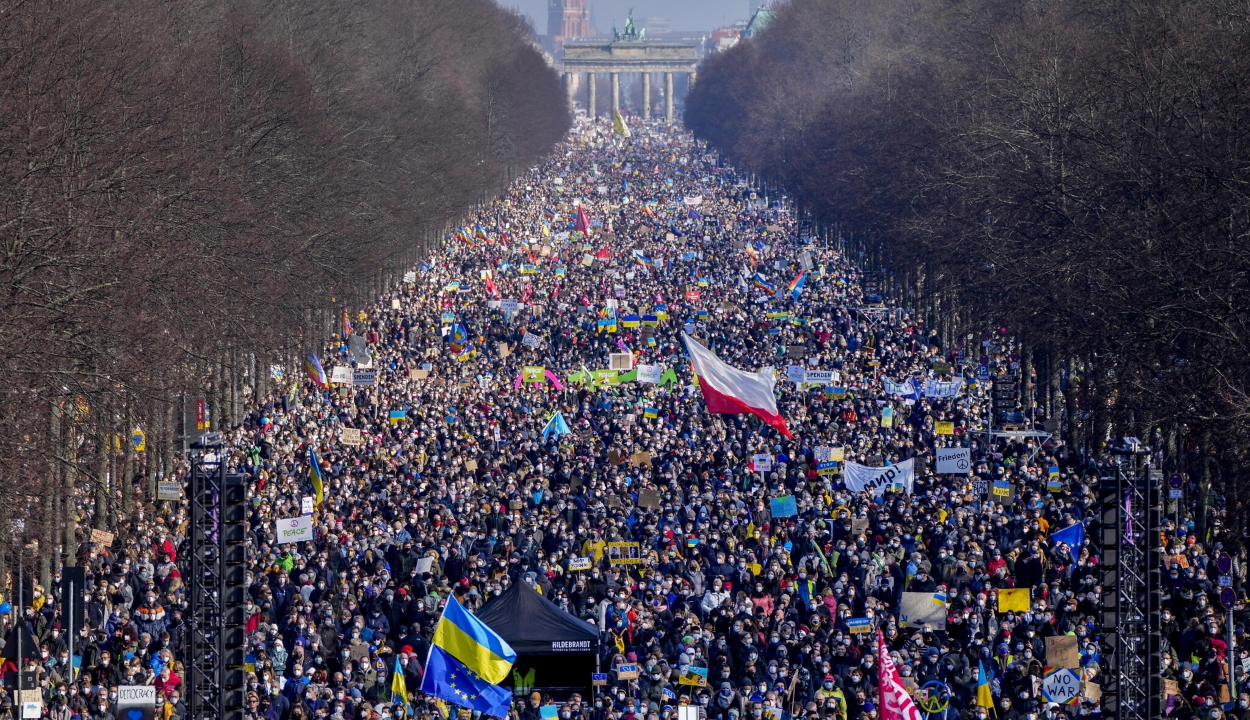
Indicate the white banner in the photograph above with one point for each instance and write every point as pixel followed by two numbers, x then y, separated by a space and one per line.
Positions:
pixel 693 200
pixel 933 388
pixel 650 373
pixel 531 340
pixel 292 530
pixel 861 478
pixel 954 461
pixel 903 388
pixel 823 377
pixel 796 373
pixel 341 375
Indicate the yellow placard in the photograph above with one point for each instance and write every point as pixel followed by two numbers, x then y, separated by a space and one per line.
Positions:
pixel 944 428
pixel 1014 600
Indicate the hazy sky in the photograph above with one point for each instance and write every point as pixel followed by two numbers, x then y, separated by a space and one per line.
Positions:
pixel 683 14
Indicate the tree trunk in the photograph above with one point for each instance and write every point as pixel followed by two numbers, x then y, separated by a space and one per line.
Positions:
pixel 126 474
pixel 101 475
pixel 69 447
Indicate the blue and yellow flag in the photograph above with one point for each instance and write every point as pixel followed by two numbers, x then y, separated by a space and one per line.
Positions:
pixel 985 698
pixel 399 686
pixel 470 641
pixel 448 679
pixel 314 476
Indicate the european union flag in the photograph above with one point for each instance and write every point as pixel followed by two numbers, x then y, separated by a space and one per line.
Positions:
pixel 1072 536
pixel 446 678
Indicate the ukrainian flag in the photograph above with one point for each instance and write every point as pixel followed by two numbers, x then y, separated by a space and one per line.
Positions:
pixel 470 641
pixel 651 413
pixel 314 476
pixel 985 698
pixel 399 686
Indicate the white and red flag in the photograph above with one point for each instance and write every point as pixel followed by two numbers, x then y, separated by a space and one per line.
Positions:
pixel 729 390
pixel 894 702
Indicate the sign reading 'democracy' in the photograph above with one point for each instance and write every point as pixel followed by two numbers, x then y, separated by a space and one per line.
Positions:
pixel 292 530
pixel 875 480
pixel 954 461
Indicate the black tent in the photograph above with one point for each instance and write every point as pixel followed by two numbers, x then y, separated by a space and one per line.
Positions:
pixel 556 652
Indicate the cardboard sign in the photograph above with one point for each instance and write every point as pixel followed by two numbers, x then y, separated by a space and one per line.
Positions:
pixel 168 490
pixel 1061 650
pixel 419 374
pixel 859 525
pixel 306 505
pixel 627 671
pixel 470 465
pixel 504 350
pixel 101 537
pixel 621 361
pixel 352 437
pixel 579 563
pixel 292 530
pixel 640 458
pixel 822 454
pixel 598 679
pixel 649 499
pixel 614 457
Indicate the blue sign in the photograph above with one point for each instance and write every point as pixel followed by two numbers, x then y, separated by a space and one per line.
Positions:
pixel 857 626
pixel 784 506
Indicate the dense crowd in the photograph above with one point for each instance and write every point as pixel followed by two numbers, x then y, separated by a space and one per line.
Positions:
pixel 461 484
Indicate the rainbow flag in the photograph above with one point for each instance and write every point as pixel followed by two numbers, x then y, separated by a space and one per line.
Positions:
pixel 549 213
pixel 316 373
pixel 760 283
pixel 796 285
pixel 480 232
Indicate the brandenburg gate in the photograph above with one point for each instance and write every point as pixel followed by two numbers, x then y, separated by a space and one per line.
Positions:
pixel 629 53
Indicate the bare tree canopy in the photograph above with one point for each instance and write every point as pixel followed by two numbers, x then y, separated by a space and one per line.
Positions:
pixel 1074 172
pixel 191 191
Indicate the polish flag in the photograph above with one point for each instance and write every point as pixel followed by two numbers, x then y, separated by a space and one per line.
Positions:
pixel 732 391
pixel 894 702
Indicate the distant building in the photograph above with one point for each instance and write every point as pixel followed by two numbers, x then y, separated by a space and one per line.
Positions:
pixel 567 20
pixel 759 20
pixel 724 38
pixel 656 25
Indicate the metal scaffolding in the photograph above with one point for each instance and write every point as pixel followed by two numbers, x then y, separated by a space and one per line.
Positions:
pixel 1129 539
pixel 213 568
